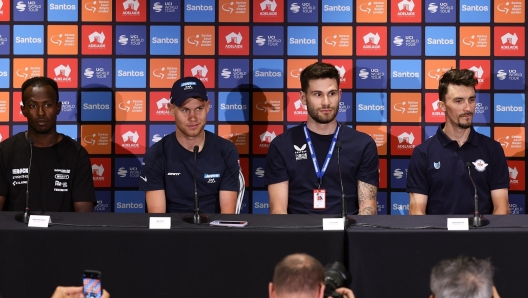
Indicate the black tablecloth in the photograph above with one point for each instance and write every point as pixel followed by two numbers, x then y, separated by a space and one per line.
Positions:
pixel 392 256
pixel 185 261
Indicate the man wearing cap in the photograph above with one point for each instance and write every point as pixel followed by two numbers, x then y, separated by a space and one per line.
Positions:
pixel 168 168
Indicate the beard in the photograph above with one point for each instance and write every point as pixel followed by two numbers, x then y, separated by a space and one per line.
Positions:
pixel 321 119
pixel 467 124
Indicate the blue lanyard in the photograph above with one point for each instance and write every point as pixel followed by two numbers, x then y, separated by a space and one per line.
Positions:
pixel 321 172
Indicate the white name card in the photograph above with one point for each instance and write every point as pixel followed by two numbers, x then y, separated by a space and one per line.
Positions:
pixel 160 223
pixel 457 224
pixel 39 221
pixel 333 224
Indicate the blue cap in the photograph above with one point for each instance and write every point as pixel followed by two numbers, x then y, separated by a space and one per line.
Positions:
pixel 186 88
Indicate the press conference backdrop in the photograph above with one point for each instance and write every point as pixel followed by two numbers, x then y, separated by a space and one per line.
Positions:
pixel 115 62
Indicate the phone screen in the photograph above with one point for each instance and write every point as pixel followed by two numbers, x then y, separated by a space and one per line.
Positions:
pixel 92 285
pixel 223 222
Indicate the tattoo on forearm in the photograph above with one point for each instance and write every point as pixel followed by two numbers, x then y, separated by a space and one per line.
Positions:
pixel 367 198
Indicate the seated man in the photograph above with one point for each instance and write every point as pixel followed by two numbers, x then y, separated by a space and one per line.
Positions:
pixel 52 168
pixel 302 170
pixel 463 277
pixel 168 168
pixel 300 276
pixel 438 178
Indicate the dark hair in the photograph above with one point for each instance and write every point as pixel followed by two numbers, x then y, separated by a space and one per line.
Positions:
pixel 459 77
pixel 39 81
pixel 318 70
pixel 462 277
pixel 298 273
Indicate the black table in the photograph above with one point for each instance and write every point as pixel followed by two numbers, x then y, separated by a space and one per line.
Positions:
pixel 395 258
pixel 185 261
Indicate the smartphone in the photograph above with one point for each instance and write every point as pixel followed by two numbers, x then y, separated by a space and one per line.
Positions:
pixel 229 223
pixel 92 287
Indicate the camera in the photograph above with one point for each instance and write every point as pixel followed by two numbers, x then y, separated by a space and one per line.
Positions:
pixel 336 276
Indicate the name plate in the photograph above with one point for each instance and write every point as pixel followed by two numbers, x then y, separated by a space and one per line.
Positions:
pixel 332 224
pixel 457 224
pixel 39 221
pixel 160 223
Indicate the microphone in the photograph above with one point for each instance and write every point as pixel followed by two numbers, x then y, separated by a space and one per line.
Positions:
pixel 348 220
pixel 24 217
pixel 477 220
pixel 196 218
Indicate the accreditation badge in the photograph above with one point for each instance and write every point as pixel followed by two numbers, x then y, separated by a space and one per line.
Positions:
pixel 319 198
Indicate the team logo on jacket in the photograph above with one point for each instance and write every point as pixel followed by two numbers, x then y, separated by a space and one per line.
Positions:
pixel 300 152
pixel 480 165
pixel 436 165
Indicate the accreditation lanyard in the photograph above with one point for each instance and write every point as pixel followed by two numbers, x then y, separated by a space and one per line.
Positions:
pixel 321 172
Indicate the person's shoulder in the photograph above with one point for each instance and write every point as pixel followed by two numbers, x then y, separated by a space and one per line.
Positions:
pixel 164 142
pixel 218 141
pixel 488 142
pixel 14 139
pixel 290 132
pixel 357 136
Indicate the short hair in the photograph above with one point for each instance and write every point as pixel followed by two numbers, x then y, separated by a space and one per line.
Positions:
pixel 462 277
pixel 40 82
pixel 318 70
pixel 459 77
pixel 298 273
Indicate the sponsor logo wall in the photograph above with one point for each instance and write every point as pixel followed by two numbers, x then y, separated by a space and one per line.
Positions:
pixel 115 62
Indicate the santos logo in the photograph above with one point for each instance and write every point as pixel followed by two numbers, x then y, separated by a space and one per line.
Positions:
pixel 62 6
pixel 130 73
pixel 191 7
pixel 372 107
pixel 120 205
pixel 440 41
pixel 405 74
pixel 510 108
pixel 474 8
pixel 303 41
pixel 239 107
pixel 336 8
pixel 97 106
pixel 19 39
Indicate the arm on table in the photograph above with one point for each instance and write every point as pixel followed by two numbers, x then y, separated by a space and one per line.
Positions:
pixel 417 203
pixel 156 201
pixel 278 197
pixel 82 206
pixel 367 198
pixel 499 197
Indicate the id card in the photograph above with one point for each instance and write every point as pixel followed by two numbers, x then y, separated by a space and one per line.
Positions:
pixel 319 199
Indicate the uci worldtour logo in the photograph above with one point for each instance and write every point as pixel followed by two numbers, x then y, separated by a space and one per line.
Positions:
pixel 31 6
pixel 270 40
pixel 510 74
pixel 303 7
pixel 235 73
pixel 441 7
pixel 98 72
pixel 372 73
pixel 409 40
pixel 167 7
